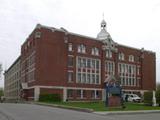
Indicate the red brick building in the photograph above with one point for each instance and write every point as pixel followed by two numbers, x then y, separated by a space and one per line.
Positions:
pixel 76 66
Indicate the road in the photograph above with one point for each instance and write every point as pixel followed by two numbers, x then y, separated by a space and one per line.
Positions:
pixel 36 112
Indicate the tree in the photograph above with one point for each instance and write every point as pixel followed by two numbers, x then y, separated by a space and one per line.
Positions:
pixel 1 92
pixel 158 86
pixel 158 96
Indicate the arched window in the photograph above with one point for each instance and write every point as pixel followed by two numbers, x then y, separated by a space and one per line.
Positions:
pixel 70 47
pixel 131 58
pixel 108 54
pixel 81 48
pixel 95 51
pixel 121 56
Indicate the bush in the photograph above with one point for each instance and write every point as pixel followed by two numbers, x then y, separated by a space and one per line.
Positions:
pixel 148 98
pixel 50 98
pixel 158 96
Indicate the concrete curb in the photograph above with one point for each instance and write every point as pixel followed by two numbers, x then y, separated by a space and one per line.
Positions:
pixel 127 112
pixel 64 107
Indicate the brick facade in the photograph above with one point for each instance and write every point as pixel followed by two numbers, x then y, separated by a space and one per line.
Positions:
pixel 76 66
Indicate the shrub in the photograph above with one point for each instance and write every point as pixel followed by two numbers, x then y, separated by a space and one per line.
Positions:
pixel 148 98
pixel 158 96
pixel 50 98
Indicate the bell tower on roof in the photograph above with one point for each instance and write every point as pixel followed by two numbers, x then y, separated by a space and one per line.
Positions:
pixel 105 37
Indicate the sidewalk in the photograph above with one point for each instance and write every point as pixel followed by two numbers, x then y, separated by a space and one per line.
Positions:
pixel 126 112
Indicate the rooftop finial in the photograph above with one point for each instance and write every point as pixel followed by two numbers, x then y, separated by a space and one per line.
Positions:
pixel 103 15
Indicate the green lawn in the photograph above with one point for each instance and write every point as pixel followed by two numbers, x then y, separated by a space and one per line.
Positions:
pixel 100 106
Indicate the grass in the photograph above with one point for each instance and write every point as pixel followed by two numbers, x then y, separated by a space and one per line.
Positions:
pixel 100 106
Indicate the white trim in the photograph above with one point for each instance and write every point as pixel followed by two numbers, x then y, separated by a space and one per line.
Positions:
pixel 128 90
pixel 82 94
pixel 62 87
pixel 64 94
pixel 71 55
pixel 36 93
pixel 95 95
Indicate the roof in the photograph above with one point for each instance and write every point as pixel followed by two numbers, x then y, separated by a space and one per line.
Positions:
pixel 84 36
pixel 13 64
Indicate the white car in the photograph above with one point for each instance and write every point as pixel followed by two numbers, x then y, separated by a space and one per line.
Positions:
pixel 132 98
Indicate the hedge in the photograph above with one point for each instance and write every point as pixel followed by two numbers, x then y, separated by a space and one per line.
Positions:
pixel 50 98
pixel 148 98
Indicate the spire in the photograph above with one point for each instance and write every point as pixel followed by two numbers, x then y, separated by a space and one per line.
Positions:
pixel 103 23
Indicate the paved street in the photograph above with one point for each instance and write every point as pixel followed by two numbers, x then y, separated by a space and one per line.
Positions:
pixel 36 112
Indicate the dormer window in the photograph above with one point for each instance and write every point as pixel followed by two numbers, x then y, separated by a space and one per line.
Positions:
pixel 108 54
pixel 121 56
pixel 37 34
pixel 131 58
pixel 95 51
pixel 81 48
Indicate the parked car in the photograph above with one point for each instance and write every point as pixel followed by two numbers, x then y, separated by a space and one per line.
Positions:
pixel 131 98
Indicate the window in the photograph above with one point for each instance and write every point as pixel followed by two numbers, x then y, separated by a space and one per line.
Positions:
pixel 84 93
pixel 93 63
pixel 95 94
pixel 80 94
pixel 70 61
pixel 138 70
pixel 110 68
pixel 97 64
pixel 70 47
pixel 81 48
pixel 95 51
pixel 121 56
pixel 97 79
pixel 88 78
pixel 79 77
pixel 70 76
pixel 93 78
pixel 88 70
pixel 88 63
pixel 70 93
pixel 84 62
pixel 37 34
pixel 84 78
pixel 131 58
pixel 79 62
pixel 127 74
pixel 108 54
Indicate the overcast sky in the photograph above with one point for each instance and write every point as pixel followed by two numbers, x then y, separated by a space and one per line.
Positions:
pixel 134 23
